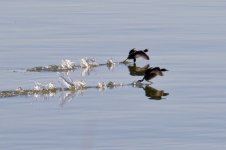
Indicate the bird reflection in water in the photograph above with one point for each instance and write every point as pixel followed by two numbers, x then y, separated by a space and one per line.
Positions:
pixel 134 70
pixel 68 96
pixel 153 93
pixel 150 92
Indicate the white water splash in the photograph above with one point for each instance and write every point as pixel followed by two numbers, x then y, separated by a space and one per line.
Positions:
pixel 101 85
pixel 88 62
pixel 110 85
pixel 69 83
pixel 137 84
pixel 67 64
pixel 83 63
pixel 38 86
pixel 50 86
pixel 110 64
pixel 85 71
pixel 92 62
pixel 79 84
pixel 66 81
pixel 19 89
pixel 114 84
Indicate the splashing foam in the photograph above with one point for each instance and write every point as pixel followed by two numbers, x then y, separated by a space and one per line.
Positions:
pixel 19 89
pixel 114 84
pixel 110 62
pixel 67 64
pixel 101 85
pixel 73 85
pixel 88 62
pixel 79 84
pixel 51 86
pixel 137 84
pixel 39 86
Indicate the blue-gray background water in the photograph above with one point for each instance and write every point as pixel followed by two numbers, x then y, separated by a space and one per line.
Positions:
pixel 186 37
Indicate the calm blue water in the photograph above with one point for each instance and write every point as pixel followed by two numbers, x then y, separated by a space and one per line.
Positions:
pixel 186 37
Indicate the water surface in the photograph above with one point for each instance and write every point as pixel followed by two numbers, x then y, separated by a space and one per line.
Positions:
pixel 187 38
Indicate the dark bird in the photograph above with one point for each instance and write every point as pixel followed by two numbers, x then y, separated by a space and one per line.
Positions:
pixel 151 73
pixel 133 54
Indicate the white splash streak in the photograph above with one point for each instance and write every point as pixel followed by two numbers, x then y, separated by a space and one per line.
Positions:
pixel 79 84
pixel 83 63
pixel 38 86
pixel 88 62
pixel 85 71
pixel 50 86
pixel 92 62
pixel 67 64
pixel 19 89
pixel 69 83
pixel 101 85
pixel 114 84
pixel 137 84
pixel 110 64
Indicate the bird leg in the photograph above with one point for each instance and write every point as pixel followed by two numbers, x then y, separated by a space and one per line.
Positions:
pixel 124 60
pixel 134 60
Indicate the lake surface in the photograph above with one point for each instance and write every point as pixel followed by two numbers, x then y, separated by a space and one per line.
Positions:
pixel 186 37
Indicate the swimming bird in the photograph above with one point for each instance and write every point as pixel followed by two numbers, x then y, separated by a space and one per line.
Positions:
pixel 133 54
pixel 151 73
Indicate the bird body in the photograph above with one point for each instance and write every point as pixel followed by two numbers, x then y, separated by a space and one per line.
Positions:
pixel 151 73
pixel 134 54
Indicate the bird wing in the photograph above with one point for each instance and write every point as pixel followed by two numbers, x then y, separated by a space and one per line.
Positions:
pixel 143 55
pixel 132 51
pixel 157 72
pixel 149 74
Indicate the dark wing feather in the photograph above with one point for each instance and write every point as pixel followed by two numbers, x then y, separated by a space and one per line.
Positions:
pixel 149 76
pixel 157 71
pixel 142 54
pixel 145 56
pixel 132 51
